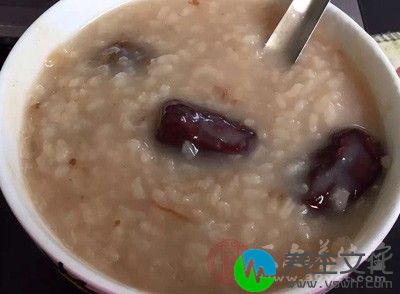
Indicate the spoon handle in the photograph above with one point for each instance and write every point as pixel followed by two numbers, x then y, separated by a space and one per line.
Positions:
pixel 294 30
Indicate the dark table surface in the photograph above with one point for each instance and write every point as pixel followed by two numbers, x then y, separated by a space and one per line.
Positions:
pixel 25 269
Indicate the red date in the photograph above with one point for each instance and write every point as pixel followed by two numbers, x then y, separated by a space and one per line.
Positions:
pixel 136 56
pixel 343 170
pixel 207 130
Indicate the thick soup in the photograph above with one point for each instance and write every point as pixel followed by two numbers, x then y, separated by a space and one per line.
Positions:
pixel 147 211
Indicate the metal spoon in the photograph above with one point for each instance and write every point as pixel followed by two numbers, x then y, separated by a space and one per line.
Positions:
pixel 294 30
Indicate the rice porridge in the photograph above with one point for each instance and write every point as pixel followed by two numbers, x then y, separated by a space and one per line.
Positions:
pixel 147 213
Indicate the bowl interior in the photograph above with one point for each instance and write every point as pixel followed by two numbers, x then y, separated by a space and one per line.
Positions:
pixel 67 17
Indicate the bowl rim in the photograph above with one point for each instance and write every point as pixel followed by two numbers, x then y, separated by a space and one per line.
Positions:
pixel 79 268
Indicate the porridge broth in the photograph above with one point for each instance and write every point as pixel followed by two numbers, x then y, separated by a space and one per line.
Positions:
pixel 143 213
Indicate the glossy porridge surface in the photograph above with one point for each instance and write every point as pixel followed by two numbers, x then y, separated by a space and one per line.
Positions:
pixel 147 215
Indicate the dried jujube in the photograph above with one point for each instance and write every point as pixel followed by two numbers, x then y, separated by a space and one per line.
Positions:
pixel 343 170
pixel 207 130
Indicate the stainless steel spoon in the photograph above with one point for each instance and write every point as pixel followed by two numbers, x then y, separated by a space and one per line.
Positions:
pixel 294 30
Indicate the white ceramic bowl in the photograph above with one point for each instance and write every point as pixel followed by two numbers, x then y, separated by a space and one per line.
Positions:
pixel 66 18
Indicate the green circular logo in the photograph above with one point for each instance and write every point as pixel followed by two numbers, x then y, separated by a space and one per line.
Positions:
pixel 255 270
